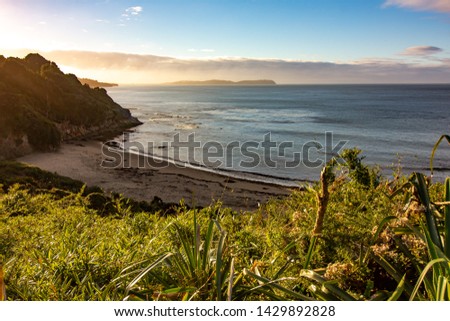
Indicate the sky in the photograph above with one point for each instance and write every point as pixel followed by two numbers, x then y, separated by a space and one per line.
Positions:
pixel 289 41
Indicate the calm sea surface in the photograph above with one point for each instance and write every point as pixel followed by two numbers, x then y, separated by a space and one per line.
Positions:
pixel 278 133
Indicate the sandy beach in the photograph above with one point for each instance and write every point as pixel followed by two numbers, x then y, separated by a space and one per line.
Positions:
pixel 83 161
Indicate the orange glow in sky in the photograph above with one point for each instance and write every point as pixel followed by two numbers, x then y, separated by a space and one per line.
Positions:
pixel 290 42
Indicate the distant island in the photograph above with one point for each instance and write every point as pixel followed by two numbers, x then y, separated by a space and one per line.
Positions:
pixel 215 82
pixel 94 83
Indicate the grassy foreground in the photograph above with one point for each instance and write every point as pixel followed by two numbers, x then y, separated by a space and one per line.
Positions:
pixel 352 236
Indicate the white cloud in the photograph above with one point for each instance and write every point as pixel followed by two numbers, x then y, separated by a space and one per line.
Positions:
pixel 134 11
pixel 131 12
pixel 201 50
pixel 421 5
pixel 421 51
pixel 132 68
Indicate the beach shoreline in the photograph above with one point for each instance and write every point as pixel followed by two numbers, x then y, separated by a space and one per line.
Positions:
pixel 84 161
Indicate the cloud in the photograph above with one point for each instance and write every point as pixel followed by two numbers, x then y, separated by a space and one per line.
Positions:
pixel 421 5
pixel 129 13
pixel 421 51
pixel 133 68
pixel 201 50
pixel 134 11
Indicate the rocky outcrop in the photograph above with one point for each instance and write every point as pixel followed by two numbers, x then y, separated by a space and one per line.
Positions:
pixel 40 106
pixel 95 83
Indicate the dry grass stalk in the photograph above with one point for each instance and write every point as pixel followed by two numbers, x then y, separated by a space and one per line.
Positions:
pixel 322 200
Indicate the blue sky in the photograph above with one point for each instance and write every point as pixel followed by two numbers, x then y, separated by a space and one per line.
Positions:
pixel 385 32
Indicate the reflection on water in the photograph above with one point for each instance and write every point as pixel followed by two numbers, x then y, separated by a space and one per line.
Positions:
pixel 390 123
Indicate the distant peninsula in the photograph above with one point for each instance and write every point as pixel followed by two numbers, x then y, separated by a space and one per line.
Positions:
pixel 219 82
pixel 94 83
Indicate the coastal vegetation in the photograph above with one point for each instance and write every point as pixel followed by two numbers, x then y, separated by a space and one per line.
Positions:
pixel 352 236
pixel 41 106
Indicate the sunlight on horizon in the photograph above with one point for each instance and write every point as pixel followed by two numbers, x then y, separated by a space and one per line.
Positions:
pixel 151 42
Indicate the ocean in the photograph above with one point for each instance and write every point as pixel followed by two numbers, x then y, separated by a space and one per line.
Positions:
pixel 285 133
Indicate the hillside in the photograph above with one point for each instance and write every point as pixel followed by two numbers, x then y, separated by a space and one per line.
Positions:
pixel 95 83
pixel 41 106
pixel 219 82
pixel 337 240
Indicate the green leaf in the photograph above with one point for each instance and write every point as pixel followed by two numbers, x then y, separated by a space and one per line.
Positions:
pixel 273 284
pixel 422 190
pixel 441 292
pixel 179 290
pixel 399 290
pixel 311 248
pixel 447 137
pixel 422 276
pixel 322 295
pixel 447 219
pixel 147 270
pixel 207 244
pixel 328 285
pixel 393 272
pixel 219 262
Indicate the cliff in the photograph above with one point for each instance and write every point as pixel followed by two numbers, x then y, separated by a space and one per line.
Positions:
pixel 40 106
pixel 94 83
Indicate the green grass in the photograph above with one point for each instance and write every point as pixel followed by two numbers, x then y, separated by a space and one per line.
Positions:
pixel 379 240
pixel 33 180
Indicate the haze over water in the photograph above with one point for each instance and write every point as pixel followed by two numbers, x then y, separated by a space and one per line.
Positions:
pixel 391 124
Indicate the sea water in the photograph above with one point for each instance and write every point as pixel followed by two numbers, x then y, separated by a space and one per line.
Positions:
pixel 286 132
